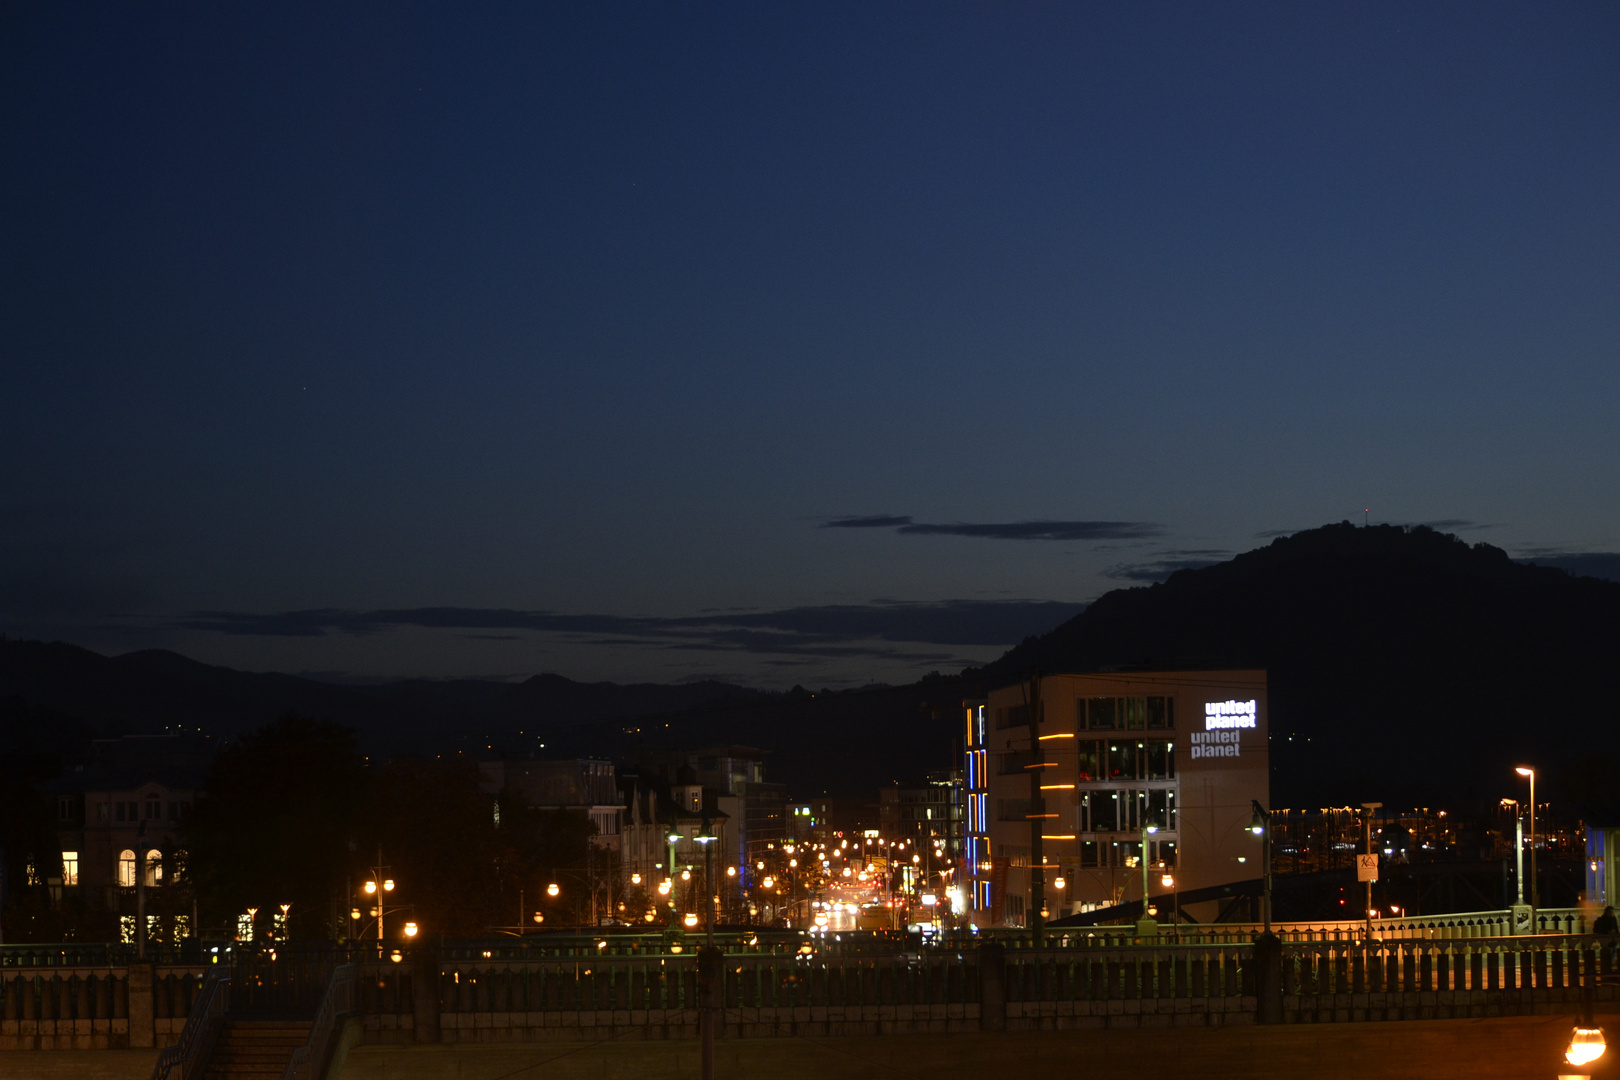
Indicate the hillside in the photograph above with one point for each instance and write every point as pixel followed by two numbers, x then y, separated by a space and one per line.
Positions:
pixel 1405 665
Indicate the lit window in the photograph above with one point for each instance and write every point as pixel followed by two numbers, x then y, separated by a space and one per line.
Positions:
pixel 154 867
pixel 70 867
pixel 126 868
pixel 244 928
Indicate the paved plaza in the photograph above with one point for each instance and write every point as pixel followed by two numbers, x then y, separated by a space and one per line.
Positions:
pixel 1520 1048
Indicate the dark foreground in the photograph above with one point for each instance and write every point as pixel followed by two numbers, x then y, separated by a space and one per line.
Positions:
pixel 1520 1047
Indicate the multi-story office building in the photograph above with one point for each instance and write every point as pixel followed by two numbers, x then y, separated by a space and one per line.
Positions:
pixel 1112 760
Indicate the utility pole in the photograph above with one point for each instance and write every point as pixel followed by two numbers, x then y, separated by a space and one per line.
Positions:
pixel 1037 815
pixel 1366 824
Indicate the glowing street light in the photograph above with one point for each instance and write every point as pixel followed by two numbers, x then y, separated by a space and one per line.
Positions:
pixel 410 929
pixel 553 889
pixel 1535 892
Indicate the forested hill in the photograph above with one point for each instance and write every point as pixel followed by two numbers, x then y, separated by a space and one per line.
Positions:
pixel 1404 663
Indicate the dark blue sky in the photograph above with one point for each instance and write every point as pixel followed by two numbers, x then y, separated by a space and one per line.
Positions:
pixel 643 342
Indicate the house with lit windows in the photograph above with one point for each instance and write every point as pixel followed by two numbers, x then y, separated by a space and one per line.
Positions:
pixel 118 819
pixel 1115 768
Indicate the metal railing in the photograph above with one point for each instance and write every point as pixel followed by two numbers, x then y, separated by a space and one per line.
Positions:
pixel 1540 962
pixel 666 983
pixel 189 1054
pixel 1130 973
pixel 309 1061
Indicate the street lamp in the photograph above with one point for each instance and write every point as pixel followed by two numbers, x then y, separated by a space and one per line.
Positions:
pixel 707 966
pixel 1260 825
pixel 1535 894
pixel 706 837
pixel 1146 924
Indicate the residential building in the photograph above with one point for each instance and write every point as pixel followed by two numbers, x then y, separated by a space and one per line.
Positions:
pixel 119 816
pixel 582 785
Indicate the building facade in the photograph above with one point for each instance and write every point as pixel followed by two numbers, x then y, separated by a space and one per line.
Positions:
pixel 1162 766
pixel 580 785
pixel 119 815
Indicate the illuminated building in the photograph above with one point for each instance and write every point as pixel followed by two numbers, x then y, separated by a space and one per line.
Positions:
pixel 1181 751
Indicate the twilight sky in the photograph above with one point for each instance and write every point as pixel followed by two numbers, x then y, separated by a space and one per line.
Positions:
pixel 782 343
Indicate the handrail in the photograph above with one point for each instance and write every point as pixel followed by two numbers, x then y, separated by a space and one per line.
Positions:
pixel 191 1049
pixel 309 1061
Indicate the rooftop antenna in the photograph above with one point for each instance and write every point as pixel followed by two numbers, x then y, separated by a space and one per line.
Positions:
pixel 1366 518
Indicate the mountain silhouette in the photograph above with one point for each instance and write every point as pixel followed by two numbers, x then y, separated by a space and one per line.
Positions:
pixel 1404 664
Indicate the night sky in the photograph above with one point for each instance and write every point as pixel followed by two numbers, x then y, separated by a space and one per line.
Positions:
pixel 812 343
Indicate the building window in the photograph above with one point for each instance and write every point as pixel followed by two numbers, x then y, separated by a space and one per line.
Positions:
pixel 118 809
pixel 70 867
pixel 1125 714
pixel 65 807
pixel 126 867
pixel 154 808
pixel 101 812
pixel 244 928
pixel 154 867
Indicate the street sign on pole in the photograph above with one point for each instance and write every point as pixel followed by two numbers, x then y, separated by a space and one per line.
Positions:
pixel 1366 867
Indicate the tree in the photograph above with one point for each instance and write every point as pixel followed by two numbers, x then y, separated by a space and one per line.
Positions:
pixel 437 832
pixel 276 822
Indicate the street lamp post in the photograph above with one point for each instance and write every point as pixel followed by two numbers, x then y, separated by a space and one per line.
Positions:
pixel 1146 924
pixel 708 966
pixel 1260 825
pixel 1535 892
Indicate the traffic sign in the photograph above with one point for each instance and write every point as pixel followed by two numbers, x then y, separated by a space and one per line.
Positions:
pixel 1366 867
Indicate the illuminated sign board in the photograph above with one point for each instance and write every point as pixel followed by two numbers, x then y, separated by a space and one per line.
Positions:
pixel 1224 722
pixel 1230 714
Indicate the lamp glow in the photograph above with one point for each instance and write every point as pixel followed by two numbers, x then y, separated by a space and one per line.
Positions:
pixel 1585 1045
pixel 553 889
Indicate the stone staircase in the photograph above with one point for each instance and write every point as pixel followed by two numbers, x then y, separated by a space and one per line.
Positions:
pixel 256 1049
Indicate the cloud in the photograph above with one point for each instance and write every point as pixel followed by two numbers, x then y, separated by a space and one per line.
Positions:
pixel 876 521
pixel 888 628
pixel 1457 525
pixel 1168 563
pixel 1011 530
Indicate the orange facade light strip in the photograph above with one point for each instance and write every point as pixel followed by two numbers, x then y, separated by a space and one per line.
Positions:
pixel 1057 787
pixel 1057 836
pixel 1043 738
pixel 1042 765
pixel 1036 817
